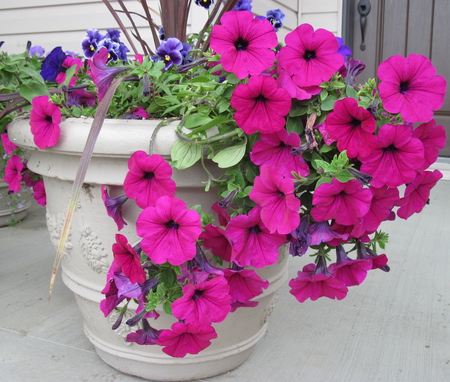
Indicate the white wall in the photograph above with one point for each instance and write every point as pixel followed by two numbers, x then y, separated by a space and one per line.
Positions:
pixel 52 23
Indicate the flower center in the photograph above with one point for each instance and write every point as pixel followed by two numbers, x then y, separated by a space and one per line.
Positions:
pixel 404 87
pixel 260 98
pixel 198 293
pixel 254 229
pixel 48 118
pixel 149 175
pixel 309 55
pixel 172 225
pixel 166 57
pixel 355 123
pixel 391 149
pixel 241 44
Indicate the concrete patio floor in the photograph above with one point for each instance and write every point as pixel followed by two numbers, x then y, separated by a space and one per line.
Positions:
pixel 394 327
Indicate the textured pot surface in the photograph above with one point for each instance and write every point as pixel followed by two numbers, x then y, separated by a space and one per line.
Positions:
pixel 87 254
pixel 13 208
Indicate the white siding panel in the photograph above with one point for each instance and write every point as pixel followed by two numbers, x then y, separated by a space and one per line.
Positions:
pixel 320 6
pixel 322 20
pixel 325 14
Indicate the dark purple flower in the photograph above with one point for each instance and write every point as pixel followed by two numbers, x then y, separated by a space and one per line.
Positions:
pixel 1 43
pixel 351 69
pixel 243 5
pixel 112 48
pixel 145 336
pixel 343 49
pixel 170 52
pixel 378 261
pixel 91 41
pixel 113 34
pixel 276 18
pixel 301 239
pixel 81 98
pixel 185 53
pixel 53 64
pixel 204 3
pixel 114 207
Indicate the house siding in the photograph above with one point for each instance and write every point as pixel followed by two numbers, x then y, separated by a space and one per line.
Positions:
pixel 51 23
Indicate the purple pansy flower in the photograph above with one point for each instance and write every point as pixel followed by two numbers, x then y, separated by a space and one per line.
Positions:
pixel 204 3
pixel 36 51
pixel 91 41
pixel 53 64
pixel 243 5
pixel 170 52
pixel 276 18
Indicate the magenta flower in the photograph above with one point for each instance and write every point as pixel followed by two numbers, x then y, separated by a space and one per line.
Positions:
pixel 321 232
pixel 309 56
pixel 352 126
pixel 102 74
pixel 279 206
pixel 350 272
pixel 7 144
pixel 169 231
pixel 214 238
pixel 39 193
pixel 410 86
pixel 204 303
pixel 417 193
pixel 395 158
pixel 252 244
pixel 378 261
pixel 260 105
pixel 114 207
pixel 68 63
pixel 244 43
pixel 183 339
pixel 315 282
pixel 145 336
pixel 433 138
pixel 44 121
pixel 111 291
pixel 13 173
pixel 244 285
pixel 128 259
pixel 276 150
pixel 346 202
pixel 284 80
pixel 148 179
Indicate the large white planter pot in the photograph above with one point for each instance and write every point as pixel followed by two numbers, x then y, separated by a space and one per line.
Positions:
pixel 88 254
pixel 13 208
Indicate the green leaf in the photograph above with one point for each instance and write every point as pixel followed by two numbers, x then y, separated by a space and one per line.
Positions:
pixel 184 154
pixel 232 79
pixel 294 125
pixel 351 92
pixel 33 90
pixel 328 103
pixel 344 176
pixel 229 156
pixel 325 179
pixel 69 74
pixel 195 120
pixel 167 307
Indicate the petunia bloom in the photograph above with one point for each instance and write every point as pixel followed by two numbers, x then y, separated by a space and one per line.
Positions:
pixel 275 194
pixel 114 207
pixel 433 138
pixel 316 281
pixel 8 146
pixel 350 272
pixel 410 86
pixel 395 158
pixel 183 339
pixel 417 193
pixel 204 302
pixel 276 150
pixel 148 178
pixel 39 193
pixel 145 336
pixel 352 126
pixel 346 202
pixel 13 173
pixel 68 63
pixel 310 56
pixel 128 259
pixel 44 121
pixel 244 43
pixel 300 239
pixel 252 244
pixel 169 231
pixel 260 105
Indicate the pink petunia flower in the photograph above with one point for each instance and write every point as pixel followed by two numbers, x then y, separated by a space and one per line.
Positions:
pixel 68 63
pixel 310 56
pixel 350 272
pixel 346 202
pixel 204 303
pixel 39 193
pixel 252 244
pixel 279 206
pixel 260 105
pixel 44 121
pixel 410 86
pixel 321 232
pixel 276 150
pixel 433 138
pixel 395 158
pixel 128 259
pixel 214 238
pixel 111 291
pixel 244 285
pixel 244 43
pixel 284 80
pixel 315 282
pixel 352 126
pixel 148 178
pixel 169 231
pixel 417 193
pixel 7 144
pixel 114 207
pixel 378 261
pixel 13 173
pixel 183 339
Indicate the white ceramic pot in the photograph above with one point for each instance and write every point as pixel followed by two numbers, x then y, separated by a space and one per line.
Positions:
pixel 14 207
pixel 87 254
